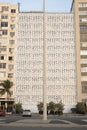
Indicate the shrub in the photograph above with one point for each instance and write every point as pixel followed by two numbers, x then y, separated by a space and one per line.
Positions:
pixel 80 108
pixel 59 107
pixel 52 108
pixel 73 110
pixel 18 108
pixel 40 108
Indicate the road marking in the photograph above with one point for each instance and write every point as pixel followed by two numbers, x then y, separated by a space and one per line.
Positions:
pixel 84 120
pixel 71 123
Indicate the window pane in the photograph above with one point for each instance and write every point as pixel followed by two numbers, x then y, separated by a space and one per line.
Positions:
pixel 3 48
pixel 84 89
pixel 3 57
pixel 12 34
pixel 10 75
pixel 4 17
pixel 11 67
pixel 3 40
pixel 12 26
pixel 11 58
pixel 4 24
pixel 5 8
pixel 2 74
pixel 4 32
pixel 2 65
pixel 12 41
pixel 13 10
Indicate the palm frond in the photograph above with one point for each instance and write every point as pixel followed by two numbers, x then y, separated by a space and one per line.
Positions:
pixel 9 93
pixel 2 92
pixel 6 85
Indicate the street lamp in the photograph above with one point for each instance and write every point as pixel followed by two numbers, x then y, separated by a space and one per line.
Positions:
pixel 44 65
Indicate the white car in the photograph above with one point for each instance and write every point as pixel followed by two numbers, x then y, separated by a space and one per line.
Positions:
pixel 26 113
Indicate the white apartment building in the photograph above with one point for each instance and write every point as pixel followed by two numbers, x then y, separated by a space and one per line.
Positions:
pixel 60 60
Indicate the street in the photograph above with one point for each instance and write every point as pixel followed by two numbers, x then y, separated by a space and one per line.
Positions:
pixel 39 128
pixel 37 120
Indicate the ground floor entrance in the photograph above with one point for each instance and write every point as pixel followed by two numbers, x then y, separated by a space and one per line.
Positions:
pixel 6 105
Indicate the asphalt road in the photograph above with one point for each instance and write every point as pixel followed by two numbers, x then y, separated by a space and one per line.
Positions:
pixel 79 120
pixel 39 128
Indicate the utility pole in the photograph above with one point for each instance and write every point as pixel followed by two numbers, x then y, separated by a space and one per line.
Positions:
pixel 44 64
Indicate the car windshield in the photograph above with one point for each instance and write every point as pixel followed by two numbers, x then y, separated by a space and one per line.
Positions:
pixel 27 110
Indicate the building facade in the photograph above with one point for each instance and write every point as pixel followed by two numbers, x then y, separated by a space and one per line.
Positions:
pixel 8 31
pixel 60 60
pixel 80 12
pixel 21 55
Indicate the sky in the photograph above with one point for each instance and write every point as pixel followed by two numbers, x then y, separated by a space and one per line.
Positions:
pixel 36 5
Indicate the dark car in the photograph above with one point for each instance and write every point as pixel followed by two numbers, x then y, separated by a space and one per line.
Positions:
pixel 2 113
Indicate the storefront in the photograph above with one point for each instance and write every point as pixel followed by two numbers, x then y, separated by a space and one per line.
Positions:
pixel 7 105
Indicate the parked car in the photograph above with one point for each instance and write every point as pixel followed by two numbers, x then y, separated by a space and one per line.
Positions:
pixel 2 113
pixel 26 113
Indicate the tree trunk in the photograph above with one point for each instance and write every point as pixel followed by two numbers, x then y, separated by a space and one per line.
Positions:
pixel 6 105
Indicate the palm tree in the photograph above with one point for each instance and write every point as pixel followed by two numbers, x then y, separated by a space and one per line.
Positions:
pixel 6 86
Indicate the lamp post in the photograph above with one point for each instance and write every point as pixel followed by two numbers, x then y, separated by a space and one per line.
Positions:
pixel 44 64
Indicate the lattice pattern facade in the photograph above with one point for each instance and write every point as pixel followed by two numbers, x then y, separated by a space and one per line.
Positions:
pixel 60 57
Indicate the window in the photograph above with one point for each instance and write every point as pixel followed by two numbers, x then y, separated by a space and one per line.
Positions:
pixel 83 44
pixel 12 26
pixel 3 48
pixel 82 4
pixel 83 52
pixel 4 24
pixel 84 89
pixel 10 58
pixel 2 74
pixel 3 40
pixel 83 61
pixel 5 8
pixel 84 69
pixel 2 65
pixel 10 67
pixel 83 12
pixel 4 16
pixel 11 50
pixel 10 75
pixel 2 57
pixel 13 10
pixel 83 28
pixel 12 41
pixel 4 32
pixel 12 34
pixel 83 37
pixel 83 20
